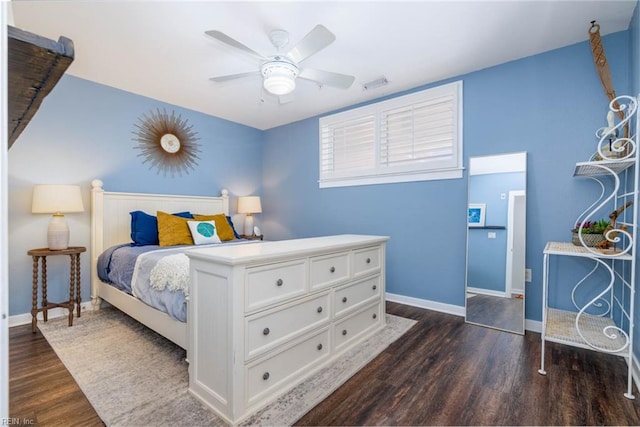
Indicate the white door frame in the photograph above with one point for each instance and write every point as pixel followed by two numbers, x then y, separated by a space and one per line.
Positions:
pixel 514 244
pixel 4 266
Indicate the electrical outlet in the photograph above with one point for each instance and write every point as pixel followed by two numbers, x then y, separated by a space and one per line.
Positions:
pixel 527 275
pixel 491 235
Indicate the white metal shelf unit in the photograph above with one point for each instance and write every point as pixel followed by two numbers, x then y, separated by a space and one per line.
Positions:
pixel 605 322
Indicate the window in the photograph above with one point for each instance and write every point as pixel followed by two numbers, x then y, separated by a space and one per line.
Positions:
pixel 414 137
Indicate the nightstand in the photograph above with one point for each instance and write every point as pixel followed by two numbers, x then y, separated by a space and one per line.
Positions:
pixel 254 237
pixel 40 260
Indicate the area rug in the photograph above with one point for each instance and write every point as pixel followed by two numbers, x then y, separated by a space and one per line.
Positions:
pixel 134 377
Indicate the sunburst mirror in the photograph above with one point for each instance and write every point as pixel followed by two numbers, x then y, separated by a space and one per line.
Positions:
pixel 167 142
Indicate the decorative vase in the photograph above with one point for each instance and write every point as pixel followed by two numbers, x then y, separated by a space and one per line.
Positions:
pixel 590 240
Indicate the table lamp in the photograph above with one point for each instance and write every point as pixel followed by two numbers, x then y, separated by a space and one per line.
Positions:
pixel 57 200
pixel 249 205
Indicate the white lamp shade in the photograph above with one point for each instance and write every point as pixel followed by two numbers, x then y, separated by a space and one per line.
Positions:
pixel 58 200
pixel 249 205
pixel 51 198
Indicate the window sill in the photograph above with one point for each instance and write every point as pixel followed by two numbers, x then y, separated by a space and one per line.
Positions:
pixel 390 179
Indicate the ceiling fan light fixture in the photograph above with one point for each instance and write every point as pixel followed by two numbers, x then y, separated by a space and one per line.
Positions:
pixel 279 77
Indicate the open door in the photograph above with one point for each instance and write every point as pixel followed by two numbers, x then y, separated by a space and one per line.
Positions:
pixel 516 246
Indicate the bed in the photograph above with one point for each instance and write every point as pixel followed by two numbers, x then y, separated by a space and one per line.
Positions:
pixel 262 316
pixel 111 226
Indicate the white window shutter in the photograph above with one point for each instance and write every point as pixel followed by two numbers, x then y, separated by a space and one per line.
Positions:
pixel 408 138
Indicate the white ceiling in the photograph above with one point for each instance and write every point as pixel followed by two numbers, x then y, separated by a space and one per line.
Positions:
pixel 158 48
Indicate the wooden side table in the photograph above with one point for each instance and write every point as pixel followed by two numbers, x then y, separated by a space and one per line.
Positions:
pixel 254 237
pixel 40 259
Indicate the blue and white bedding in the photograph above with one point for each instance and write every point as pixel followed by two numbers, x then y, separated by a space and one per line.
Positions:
pixel 157 275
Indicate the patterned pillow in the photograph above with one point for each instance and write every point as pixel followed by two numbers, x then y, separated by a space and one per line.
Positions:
pixel 173 230
pixel 224 230
pixel 203 232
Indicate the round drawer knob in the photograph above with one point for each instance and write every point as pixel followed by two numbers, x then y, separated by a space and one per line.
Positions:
pixel 319 346
pixel 265 331
pixel 344 332
pixel 375 316
pixel 344 299
pixel 279 282
pixel 375 287
pixel 332 269
pixel 265 376
pixel 319 309
pixel 368 260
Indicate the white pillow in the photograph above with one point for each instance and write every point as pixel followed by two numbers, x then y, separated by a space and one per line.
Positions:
pixel 203 232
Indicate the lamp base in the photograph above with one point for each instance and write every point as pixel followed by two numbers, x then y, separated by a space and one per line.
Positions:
pixel 58 233
pixel 248 225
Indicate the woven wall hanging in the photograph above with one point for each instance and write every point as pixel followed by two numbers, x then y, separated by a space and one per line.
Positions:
pixel 602 68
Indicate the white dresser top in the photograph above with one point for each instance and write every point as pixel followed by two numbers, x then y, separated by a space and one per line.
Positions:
pixel 264 251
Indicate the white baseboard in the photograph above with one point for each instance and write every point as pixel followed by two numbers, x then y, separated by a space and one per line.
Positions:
pixel 486 292
pixel 24 319
pixel 533 325
pixel 529 325
pixel 423 303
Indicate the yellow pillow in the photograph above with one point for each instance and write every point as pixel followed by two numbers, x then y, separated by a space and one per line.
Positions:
pixel 173 230
pixel 225 232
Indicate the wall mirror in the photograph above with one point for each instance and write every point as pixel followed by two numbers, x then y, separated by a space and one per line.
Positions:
pixel 496 241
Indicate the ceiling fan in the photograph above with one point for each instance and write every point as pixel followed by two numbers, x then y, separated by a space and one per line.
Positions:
pixel 280 71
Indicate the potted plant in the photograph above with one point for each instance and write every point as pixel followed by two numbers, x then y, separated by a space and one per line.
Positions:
pixel 592 232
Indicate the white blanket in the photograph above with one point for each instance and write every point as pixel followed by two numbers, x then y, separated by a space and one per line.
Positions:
pixel 172 273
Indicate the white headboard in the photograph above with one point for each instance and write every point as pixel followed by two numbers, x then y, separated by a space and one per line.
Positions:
pixel 111 222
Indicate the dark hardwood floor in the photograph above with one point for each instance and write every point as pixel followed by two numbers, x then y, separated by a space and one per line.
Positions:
pixel 41 390
pixel 442 372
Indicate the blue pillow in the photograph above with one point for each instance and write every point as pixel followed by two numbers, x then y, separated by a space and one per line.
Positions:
pixel 235 233
pixel 144 227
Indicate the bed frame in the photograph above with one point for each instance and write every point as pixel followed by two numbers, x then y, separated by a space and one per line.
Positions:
pixel 111 225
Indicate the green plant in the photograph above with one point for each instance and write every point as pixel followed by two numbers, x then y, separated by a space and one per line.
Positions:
pixel 592 227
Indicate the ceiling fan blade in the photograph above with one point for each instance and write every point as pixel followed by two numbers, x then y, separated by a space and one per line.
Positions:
pixel 328 78
pixel 233 43
pixel 234 76
pixel 316 40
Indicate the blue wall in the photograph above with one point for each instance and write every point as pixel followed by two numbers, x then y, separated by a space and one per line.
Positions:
pixel 487 257
pixel 549 105
pixel 83 131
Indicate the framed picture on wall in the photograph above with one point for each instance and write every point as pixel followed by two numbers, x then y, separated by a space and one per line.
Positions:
pixel 475 214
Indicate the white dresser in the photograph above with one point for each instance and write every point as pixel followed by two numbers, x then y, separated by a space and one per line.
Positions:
pixel 265 316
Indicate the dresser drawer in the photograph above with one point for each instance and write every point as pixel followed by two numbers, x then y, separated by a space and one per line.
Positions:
pixel 366 261
pixel 270 284
pixel 268 329
pixel 351 297
pixel 329 270
pixel 353 327
pixel 264 377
